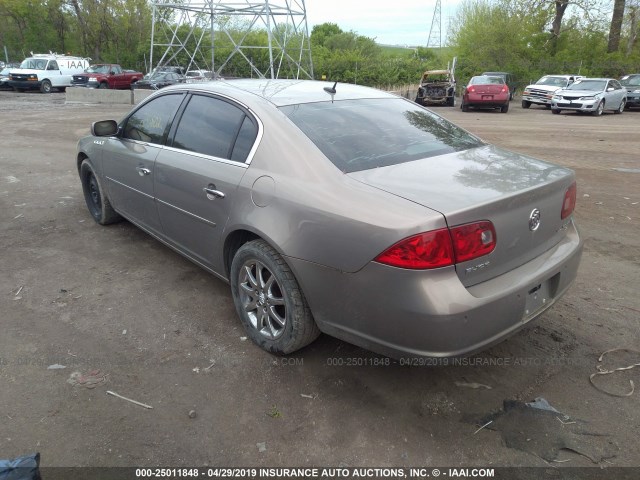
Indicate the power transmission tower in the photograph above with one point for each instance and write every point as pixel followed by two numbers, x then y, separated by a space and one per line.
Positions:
pixel 435 34
pixel 186 31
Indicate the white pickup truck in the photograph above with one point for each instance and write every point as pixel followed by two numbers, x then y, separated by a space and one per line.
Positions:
pixel 541 92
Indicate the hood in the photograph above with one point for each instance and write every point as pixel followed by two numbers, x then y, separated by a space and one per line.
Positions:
pixel 544 88
pixel 578 93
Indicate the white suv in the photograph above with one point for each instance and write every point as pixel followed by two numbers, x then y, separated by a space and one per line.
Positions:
pixel 541 92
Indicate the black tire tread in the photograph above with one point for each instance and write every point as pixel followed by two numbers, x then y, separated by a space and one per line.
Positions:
pixel 108 215
pixel 304 328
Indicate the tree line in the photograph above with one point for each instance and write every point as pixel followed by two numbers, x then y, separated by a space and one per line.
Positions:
pixel 526 37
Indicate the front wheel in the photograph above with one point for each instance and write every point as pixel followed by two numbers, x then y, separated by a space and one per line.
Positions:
pixel 103 85
pixel 45 86
pixel 269 300
pixel 599 109
pixel 555 111
pixel 94 195
pixel 526 104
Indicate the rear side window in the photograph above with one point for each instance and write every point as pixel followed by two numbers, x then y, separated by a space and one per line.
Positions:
pixel 213 127
pixel 362 134
pixel 151 121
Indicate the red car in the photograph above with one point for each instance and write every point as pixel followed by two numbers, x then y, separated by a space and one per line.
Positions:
pixel 486 91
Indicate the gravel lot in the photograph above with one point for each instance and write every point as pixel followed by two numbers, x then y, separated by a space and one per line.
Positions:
pixel 164 332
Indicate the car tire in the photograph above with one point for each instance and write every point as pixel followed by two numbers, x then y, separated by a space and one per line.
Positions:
pixel 526 104
pixel 94 195
pixel 504 108
pixel 599 109
pixel 621 107
pixel 269 301
pixel 103 85
pixel 464 107
pixel 45 86
pixel 555 111
pixel 451 101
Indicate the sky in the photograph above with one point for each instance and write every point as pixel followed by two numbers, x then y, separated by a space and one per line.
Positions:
pixel 403 22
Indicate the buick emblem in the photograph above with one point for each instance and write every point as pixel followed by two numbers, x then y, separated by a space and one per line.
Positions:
pixel 534 220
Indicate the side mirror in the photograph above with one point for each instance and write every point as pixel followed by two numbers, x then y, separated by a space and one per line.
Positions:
pixel 104 128
pixel 112 72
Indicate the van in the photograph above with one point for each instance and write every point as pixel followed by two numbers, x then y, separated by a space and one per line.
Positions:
pixel 46 72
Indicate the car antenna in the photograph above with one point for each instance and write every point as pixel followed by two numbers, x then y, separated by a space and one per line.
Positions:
pixel 331 90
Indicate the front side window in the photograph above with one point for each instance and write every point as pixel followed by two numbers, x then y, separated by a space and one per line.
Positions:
pixel 151 121
pixel 363 134
pixel 213 127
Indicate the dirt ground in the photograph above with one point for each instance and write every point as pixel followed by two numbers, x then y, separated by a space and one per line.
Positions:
pixel 163 332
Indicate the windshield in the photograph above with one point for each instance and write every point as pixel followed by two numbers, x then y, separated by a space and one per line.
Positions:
pixel 591 85
pixel 363 134
pixel 34 64
pixel 553 81
pixel 98 69
pixel 630 81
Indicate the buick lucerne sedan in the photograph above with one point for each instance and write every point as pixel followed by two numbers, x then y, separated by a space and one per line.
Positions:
pixel 591 95
pixel 340 209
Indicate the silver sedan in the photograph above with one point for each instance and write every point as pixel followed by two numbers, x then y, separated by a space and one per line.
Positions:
pixel 340 209
pixel 591 95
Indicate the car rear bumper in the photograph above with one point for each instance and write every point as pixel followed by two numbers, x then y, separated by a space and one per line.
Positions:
pixel 405 313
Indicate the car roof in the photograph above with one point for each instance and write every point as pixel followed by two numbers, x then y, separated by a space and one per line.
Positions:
pixel 282 92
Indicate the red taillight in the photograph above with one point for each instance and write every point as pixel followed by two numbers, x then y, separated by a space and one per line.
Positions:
pixel 505 89
pixel 471 90
pixel 441 248
pixel 569 202
pixel 425 250
pixel 473 240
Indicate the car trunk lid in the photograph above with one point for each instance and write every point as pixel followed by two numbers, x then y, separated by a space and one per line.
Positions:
pixel 486 183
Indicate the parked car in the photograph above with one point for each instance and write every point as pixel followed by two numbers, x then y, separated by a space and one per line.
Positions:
pixel 508 79
pixel 438 87
pixel 484 91
pixel 541 92
pixel 4 79
pixel 632 84
pixel 591 95
pixel 198 76
pixel 106 76
pixel 158 80
pixel 340 209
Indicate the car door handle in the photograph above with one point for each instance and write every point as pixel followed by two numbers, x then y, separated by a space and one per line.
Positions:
pixel 212 193
pixel 143 171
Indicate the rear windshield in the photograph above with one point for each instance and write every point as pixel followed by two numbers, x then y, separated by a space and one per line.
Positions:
pixel 363 134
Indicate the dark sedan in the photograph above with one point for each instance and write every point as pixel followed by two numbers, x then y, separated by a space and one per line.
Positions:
pixel 484 91
pixel 159 80
pixel 340 209
pixel 632 84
